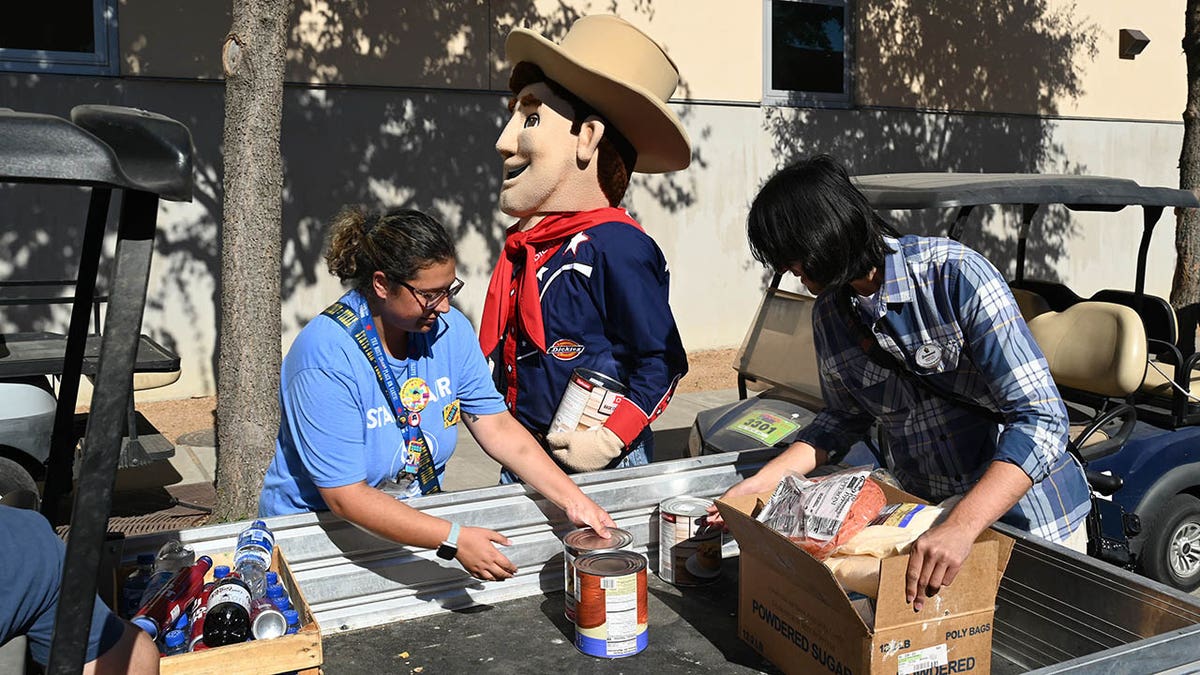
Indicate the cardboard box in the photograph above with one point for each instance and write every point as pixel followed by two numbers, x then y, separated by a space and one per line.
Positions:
pixel 300 651
pixel 793 612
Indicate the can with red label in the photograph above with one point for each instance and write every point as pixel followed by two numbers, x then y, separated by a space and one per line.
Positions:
pixel 580 542
pixel 612 604
pixel 589 399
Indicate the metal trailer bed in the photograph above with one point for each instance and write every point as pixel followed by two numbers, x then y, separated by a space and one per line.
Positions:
pixel 1057 611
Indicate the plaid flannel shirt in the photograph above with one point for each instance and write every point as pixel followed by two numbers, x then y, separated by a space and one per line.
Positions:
pixel 947 315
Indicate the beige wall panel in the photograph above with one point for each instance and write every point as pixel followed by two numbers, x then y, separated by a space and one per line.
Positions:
pixel 717 44
pixel 1049 58
pixel 441 44
pixel 172 38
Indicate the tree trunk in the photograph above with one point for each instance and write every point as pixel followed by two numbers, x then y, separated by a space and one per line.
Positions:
pixel 1185 288
pixel 249 342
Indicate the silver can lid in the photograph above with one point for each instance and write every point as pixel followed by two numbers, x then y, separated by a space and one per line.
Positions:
pixel 692 507
pixel 610 563
pixel 585 540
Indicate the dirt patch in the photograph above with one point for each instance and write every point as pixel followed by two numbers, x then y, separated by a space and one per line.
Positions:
pixel 707 371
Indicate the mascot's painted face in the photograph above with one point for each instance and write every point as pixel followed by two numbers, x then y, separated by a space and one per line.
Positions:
pixel 541 174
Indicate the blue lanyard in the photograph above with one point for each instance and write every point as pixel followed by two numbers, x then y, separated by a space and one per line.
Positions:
pixel 355 317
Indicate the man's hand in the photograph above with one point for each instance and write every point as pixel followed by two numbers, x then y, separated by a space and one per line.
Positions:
pixel 747 487
pixel 479 556
pixel 589 450
pixel 934 561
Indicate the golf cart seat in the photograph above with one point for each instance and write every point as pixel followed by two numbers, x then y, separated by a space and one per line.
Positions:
pixel 1031 304
pixel 1107 368
pixel 1057 295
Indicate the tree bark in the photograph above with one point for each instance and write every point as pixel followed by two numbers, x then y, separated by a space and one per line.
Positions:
pixel 1185 287
pixel 253 58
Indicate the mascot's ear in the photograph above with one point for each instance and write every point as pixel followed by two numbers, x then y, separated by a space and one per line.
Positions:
pixel 588 140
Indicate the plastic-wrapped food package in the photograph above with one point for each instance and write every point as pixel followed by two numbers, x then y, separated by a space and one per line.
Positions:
pixel 821 514
pixel 892 532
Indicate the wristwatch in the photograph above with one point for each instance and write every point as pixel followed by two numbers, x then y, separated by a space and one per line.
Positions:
pixel 449 548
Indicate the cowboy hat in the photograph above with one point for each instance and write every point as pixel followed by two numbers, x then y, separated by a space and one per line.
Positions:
pixel 622 73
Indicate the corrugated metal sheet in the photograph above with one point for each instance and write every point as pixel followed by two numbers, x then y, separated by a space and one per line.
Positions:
pixel 353 579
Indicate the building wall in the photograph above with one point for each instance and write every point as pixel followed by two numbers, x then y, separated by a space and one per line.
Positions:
pixel 407 113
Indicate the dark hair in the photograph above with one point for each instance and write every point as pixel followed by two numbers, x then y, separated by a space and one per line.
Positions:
pixel 616 155
pixel 399 243
pixel 810 213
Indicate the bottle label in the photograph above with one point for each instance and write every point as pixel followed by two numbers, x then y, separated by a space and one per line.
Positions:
pixel 256 543
pixel 230 593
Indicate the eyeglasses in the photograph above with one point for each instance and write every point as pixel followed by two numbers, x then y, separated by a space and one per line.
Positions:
pixel 431 299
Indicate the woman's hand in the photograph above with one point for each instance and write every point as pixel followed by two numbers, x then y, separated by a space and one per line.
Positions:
pixel 478 555
pixel 585 512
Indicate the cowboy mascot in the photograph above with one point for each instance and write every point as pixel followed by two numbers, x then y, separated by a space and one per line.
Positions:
pixel 579 283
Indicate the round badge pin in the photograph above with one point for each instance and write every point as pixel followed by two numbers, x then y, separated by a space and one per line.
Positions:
pixel 414 394
pixel 414 419
pixel 928 355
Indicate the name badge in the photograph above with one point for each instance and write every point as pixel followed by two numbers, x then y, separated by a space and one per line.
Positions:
pixel 412 455
pixel 928 355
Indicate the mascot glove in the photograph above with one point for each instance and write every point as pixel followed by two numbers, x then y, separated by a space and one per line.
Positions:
pixel 589 450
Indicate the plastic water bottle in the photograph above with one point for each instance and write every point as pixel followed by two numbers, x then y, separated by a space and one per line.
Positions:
pixel 135 585
pixel 293 620
pixel 171 558
pixel 174 642
pixel 279 597
pixel 228 618
pixel 252 558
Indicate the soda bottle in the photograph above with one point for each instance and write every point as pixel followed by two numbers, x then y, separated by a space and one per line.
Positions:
pixel 199 610
pixel 171 558
pixel 252 558
pixel 164 608
pixel 266 621
pixel 228 618
pixel 174 642
pixel 293 620
pixel 135 584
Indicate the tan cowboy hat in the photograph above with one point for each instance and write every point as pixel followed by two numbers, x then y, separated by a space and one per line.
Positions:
pixel 622 73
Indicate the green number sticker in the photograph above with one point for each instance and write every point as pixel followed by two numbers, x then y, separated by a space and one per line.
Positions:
pixel 766 427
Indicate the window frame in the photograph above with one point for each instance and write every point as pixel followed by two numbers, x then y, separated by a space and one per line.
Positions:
pixel 102 60
pixel 799 98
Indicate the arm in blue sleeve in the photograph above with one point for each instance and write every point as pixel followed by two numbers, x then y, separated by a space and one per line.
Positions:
pixel 326 423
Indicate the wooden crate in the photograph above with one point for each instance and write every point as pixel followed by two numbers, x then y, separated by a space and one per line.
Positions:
pixel 300 651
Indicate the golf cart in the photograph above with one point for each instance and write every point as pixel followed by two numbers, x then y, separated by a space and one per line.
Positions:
pixel 1135 423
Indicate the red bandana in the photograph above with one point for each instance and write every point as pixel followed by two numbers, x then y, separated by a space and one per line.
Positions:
pixel 520 248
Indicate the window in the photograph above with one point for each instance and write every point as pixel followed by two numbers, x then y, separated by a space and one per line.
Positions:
pixel 59 36
pixel 808 51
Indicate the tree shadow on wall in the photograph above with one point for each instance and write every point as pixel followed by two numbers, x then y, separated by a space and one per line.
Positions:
pixel 955 85
pixel 427 144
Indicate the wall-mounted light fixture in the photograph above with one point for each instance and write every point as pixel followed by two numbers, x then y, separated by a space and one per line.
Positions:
pixel 1131 42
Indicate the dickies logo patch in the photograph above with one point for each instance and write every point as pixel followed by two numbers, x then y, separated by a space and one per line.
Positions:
pixel 565 350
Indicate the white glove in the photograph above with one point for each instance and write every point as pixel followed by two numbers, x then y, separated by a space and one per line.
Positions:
pixel 588 450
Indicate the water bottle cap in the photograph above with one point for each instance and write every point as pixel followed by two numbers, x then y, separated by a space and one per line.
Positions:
pixel 292 616
pixel 275 591
pixel 272 578
pixel 220 571
pixel 144 559
pixel 146 624
pixel 182 622
pixel 174 638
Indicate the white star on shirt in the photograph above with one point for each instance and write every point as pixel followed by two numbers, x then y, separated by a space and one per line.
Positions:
pixel 573 245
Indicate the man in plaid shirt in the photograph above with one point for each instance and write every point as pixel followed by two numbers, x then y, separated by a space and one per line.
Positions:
pixel 986 424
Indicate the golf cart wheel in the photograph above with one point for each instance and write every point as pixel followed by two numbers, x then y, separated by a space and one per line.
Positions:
pixel 1172 551
pixel 16 485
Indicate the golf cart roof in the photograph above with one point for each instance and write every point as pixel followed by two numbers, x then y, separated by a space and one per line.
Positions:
pixel 895 191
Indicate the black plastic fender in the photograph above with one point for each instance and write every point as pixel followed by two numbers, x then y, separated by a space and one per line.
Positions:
pixel 1183 478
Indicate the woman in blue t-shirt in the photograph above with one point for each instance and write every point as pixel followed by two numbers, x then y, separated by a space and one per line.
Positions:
pixel 353 438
